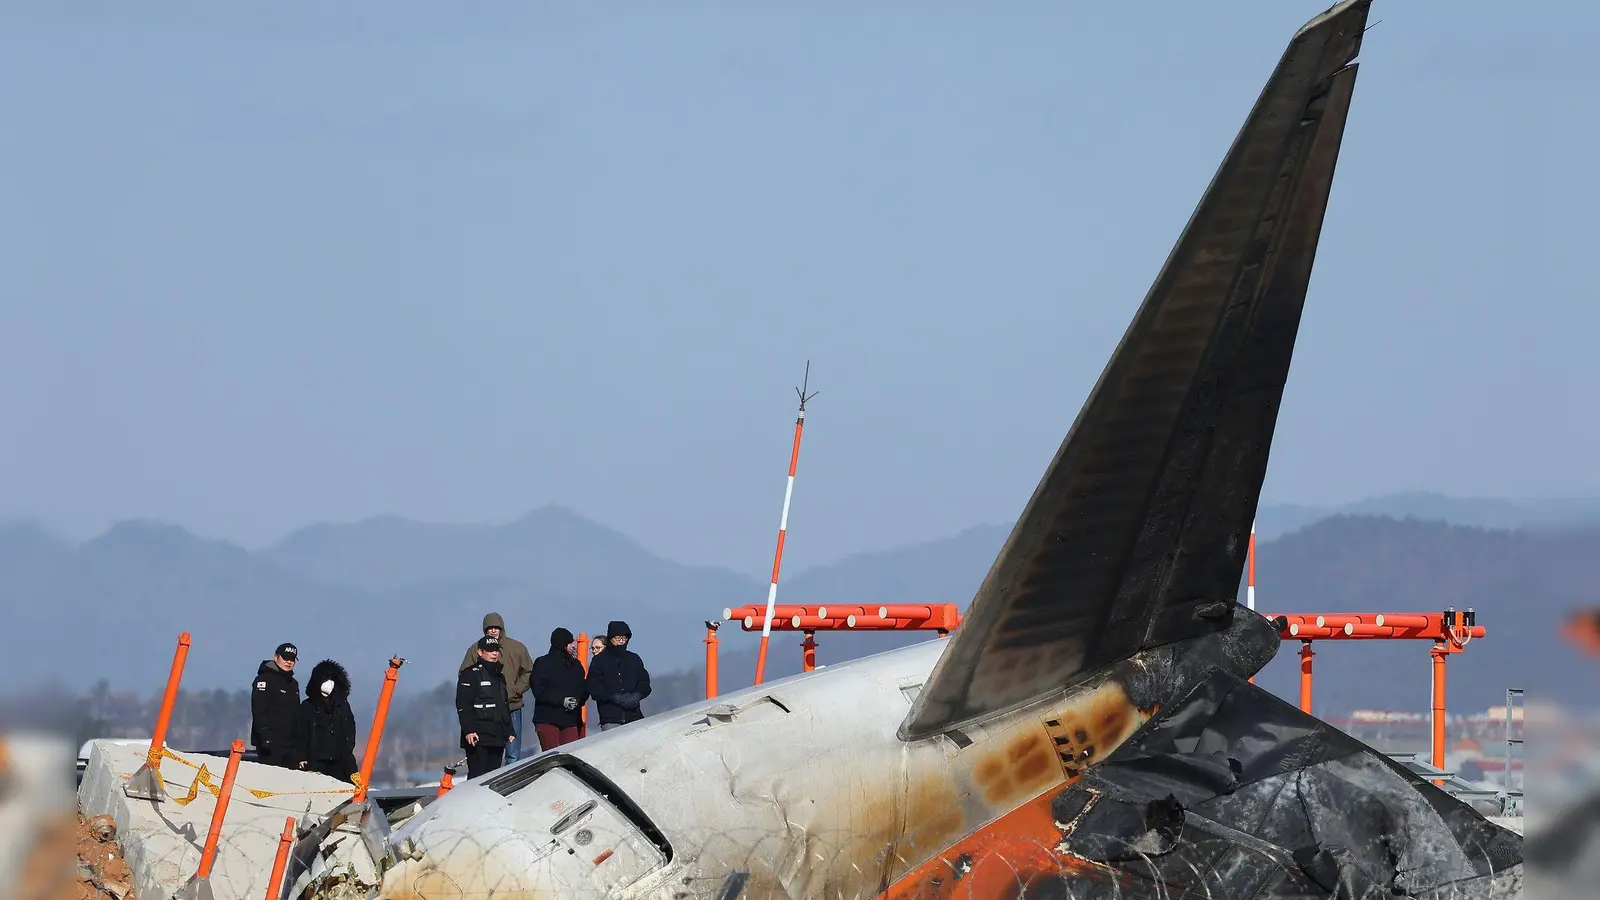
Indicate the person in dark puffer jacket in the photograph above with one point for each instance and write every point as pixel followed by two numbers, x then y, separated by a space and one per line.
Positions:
pixel 274 708
pixel 325 733
pixel 618 680
pixel 559 692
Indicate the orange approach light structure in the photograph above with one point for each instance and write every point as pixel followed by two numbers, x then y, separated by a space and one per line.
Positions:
pixel 1450 631
pixel 810 619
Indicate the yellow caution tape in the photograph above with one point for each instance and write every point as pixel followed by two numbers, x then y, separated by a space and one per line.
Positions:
pixel 203 777
pixel 200 777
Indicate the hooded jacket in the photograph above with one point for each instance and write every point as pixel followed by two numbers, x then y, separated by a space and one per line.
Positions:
pixel 618 680
pixel 274 703
pixel 556 676
pixel 326 731
pixel 481 705
pixel 515 661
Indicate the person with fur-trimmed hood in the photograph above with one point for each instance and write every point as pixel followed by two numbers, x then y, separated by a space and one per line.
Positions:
pixel 325 732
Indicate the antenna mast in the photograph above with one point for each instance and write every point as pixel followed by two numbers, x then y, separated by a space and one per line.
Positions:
pixel 783 525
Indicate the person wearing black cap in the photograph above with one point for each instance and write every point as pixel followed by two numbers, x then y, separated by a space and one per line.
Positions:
pixel 483 711
pixel 559 692
pixel 618 680
pixel 275 708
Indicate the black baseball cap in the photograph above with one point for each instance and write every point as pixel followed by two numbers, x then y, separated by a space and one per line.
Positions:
pixel 488 643
pixel 286 651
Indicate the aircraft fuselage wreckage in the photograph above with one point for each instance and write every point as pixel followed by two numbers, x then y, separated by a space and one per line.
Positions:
pixel 1088 731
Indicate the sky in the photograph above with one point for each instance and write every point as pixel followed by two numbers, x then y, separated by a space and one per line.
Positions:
pixel 270 264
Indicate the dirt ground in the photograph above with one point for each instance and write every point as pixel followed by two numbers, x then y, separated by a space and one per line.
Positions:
pixel 77 859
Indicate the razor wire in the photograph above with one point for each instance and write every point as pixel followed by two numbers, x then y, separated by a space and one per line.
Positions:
pixel 752 863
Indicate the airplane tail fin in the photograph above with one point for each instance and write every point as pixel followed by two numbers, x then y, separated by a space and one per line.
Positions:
pixel 1136 535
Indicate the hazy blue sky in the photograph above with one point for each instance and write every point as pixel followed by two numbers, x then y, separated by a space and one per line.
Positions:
pixel 268 263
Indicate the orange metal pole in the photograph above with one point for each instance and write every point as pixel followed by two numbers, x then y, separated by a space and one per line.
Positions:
pixel 779 611
pixel 809 646
pixel 375 735
pixel 208 856
pixel 1305 676
pixel 158 738
pixel 907 611
pixel 840 612
pixel 583 658
pixel 1439 652
pixel 286 841
pixel 146 784
pixel 711 659
pixel 1404 620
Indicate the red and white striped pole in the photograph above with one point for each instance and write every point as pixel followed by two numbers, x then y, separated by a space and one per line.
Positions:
pixel 1250 578
pixel 1250 582
pixel 783 527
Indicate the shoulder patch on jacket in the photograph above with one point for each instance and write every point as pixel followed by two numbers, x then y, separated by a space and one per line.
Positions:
pixel 261 685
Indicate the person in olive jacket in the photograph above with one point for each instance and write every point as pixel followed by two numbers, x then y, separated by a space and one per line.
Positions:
pixel 481 709
pixel 618 680
pixel 516 663
pixel 559 692
pixel 325 735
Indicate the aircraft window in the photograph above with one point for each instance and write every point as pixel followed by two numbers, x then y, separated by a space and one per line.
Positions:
pixel 910 692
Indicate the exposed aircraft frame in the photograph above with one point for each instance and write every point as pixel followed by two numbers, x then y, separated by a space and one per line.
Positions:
pixel 1089 730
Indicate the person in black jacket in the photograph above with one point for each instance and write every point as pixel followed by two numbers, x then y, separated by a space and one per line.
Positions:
pixel 559 692
pixel 481 708
pixel 325 735
pixel 274 707
pixel 618 680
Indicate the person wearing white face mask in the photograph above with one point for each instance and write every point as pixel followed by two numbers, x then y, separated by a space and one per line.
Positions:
pixel 326 729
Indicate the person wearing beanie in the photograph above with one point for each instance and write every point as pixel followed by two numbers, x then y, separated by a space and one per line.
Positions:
pixel 482 708
pixel 325 734
pixel 618 680
pixel 559 692
pixel 517 664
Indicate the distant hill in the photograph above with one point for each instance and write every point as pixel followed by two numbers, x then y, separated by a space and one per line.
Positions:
pixel 1277 519
pixel 1520 583
pixel 113 606
pixel 552 547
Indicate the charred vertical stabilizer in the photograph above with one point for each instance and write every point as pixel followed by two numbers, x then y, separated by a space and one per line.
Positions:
pixel 1136 535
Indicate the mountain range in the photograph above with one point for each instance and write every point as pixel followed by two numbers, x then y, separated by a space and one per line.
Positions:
pixel 112 607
